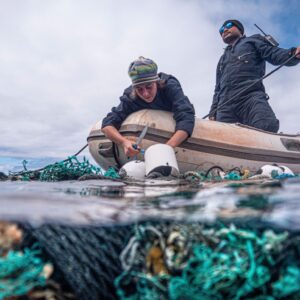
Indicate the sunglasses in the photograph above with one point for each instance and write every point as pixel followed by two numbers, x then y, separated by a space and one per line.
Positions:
pixel 226 26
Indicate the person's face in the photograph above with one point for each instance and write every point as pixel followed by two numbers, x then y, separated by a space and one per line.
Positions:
pixel 230 33
pixel 147 91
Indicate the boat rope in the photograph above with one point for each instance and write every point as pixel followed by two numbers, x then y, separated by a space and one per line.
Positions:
pixel 77 153
pixel 251 85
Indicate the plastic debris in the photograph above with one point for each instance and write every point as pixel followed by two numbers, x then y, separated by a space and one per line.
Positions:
pixel 273 172
pixel 71 168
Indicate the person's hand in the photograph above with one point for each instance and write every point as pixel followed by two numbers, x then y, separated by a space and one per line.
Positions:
pixel 298 52
pixel 128 148
pixel 212 118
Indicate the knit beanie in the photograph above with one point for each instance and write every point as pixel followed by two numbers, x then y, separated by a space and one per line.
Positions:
pixel 142 70
pixel 237 23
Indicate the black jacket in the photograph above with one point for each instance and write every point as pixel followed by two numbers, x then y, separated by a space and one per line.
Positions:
pixel 243 63
pixel 168 98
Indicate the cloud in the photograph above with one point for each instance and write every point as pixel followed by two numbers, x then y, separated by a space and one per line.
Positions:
pixel 63 64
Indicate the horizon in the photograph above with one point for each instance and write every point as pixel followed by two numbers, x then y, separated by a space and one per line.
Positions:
pixel 64 64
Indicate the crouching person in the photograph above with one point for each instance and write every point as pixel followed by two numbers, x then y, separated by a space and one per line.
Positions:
pixel 150 90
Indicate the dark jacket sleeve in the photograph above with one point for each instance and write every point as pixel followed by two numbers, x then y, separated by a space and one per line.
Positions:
pixel 118 114
pixel 183 110
pixel 213 108
pixel 274 55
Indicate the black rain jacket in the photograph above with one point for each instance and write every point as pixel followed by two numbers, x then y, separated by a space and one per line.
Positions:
pixel 168 98
pixel 243 63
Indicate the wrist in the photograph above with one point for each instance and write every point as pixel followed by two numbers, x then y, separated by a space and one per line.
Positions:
pixel 170 143
pixel 123 142
pixel 293 51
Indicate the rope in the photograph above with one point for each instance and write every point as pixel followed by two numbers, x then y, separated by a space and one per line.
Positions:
pixel 86 259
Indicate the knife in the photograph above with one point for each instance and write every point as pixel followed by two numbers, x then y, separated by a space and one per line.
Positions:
pixel 140 138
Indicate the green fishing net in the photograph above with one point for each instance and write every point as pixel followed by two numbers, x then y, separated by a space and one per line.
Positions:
pixel 68 169
pixel 20 272
pixel 194 262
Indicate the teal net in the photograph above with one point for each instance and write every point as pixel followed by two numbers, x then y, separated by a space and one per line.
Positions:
pixel 20 272
pixel 171 260
pixel 68 169
pixel 194 262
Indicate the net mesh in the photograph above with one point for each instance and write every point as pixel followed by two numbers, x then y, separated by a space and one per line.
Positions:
pixel 68 169
pixel 198 262
pixel 20 272
pixel 167 260
pixel 85 259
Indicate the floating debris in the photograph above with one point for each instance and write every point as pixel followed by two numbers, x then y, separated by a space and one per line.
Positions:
pixel 68 169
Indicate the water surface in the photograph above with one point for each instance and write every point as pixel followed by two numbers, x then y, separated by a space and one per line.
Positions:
pixel 269 203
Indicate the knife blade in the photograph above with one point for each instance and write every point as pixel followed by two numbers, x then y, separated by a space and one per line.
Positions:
pixel 140 138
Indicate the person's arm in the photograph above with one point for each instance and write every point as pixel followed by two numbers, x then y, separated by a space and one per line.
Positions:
pixel 275 55
pixel 114 135
pixel 214 105
pixel 184 113
pixel 113 121
pixel 297 52
pixel 178 137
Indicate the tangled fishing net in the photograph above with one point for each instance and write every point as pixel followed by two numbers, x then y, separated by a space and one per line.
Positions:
pixel 68 169
pixel 160 260
pixel 20 271
pixel 194 262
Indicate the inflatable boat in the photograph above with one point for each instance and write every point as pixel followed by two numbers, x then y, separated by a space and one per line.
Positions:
pixel 211 144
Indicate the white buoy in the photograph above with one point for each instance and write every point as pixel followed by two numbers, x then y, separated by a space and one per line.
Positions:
pixel 161 159
pixel 134 169
pixel 286 170
pixel 268 171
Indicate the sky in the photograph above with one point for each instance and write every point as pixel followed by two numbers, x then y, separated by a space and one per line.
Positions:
pixel 63 63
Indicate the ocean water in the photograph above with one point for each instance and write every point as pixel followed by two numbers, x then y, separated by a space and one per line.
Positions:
pixel 83 228
pixel 15 164
pixel 266 203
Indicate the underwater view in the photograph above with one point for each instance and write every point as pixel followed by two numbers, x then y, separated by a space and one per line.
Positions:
pixel 74 231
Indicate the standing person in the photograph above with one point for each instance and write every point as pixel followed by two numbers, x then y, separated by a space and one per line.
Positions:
pixel 243 62
pixel 150 90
